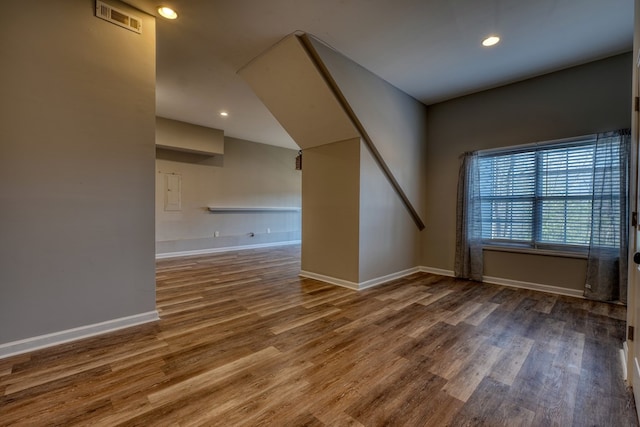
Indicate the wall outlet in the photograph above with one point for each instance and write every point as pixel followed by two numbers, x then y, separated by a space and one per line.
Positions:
pixel 268 230
pixel 216 234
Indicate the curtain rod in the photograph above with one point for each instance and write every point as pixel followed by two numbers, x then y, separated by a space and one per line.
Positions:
pixel 536 144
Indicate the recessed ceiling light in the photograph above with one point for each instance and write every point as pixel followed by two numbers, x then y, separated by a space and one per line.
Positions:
pixel 167 12
pixel 490 41
pixel 224 113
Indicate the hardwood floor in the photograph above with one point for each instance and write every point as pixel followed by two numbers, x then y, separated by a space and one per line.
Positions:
pixel 243 340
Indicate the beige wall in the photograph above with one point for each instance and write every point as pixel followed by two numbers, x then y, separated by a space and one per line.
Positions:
pixel 389 239
pixel 177 135
pixel 330 188
pixel 555 271
pixel 394 121
pixel 591 98
pixel 77 120
pixel 286 79
pixel 346 189
pixel 347 195
pixel 248 175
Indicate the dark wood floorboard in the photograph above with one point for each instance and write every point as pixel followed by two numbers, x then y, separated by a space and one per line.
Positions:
pixel 244 341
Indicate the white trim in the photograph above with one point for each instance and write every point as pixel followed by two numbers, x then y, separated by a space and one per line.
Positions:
pixel 225 249
pixel 389 277
pixel 437 271
pixel 625 348
pixel 624 353
pixel 590 138
pixel 533 286
pixel 362 285
pixel 536 251
pixel 512 283
pixel 330 280
pixel 442 272
pixel 61 337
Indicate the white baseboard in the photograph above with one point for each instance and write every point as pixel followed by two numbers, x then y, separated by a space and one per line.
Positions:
pixel 61 337
pixel 362 285
pixel 328 279
pixel 389 277
pixel 512 283
pixel 438 271
pixel 533 286
pixel 441 272
pixel 225 249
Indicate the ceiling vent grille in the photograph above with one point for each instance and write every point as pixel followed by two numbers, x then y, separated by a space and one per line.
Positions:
pixel 118 17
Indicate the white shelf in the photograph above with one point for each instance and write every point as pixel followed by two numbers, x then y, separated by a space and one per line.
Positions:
pixel 252 209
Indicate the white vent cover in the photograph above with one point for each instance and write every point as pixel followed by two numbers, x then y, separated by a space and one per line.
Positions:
pixel 118 17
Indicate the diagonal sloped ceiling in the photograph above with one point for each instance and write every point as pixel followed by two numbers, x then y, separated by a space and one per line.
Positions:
pixel 428 48
pixel 321 97
pixel 288 82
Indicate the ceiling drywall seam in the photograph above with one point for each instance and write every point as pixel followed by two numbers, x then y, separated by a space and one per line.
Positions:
pixel 333 86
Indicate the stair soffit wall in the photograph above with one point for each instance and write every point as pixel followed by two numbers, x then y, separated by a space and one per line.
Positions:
pixel 293 81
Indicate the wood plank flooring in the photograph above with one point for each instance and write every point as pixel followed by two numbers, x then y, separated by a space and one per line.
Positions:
pixel 243 341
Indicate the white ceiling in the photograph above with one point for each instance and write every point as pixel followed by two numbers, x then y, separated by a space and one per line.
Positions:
pixel 428 48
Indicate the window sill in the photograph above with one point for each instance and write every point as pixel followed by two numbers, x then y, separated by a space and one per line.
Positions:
pixel 542 252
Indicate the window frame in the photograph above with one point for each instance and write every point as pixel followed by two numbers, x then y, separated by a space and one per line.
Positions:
pixel 536 245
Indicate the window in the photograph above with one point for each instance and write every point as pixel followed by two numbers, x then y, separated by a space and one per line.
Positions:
pixel 541 197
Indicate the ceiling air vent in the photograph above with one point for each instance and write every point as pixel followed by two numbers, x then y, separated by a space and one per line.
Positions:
pixel 118 17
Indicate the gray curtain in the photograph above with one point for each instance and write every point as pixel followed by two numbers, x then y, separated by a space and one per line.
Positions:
pixel 607 263
pixel 468 262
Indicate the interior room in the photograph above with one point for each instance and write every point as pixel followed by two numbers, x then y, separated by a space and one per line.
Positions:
pixel 314 213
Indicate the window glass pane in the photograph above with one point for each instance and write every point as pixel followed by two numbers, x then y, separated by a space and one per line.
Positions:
pixel 505 219
pixel 567 171
pixel 565 221
pixel 507 193
pixel 507 175
pixel 545 195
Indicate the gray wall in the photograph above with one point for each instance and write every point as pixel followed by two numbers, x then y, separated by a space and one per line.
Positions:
pixel 248 175
pixel 346 192
pixel 77 124
pixel 177 135
pixel 389 239
pixel 287 81
pixel 394 121
pixel 590 98
pixel 330 206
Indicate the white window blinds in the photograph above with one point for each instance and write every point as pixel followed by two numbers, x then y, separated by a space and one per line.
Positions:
pixel 541 196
